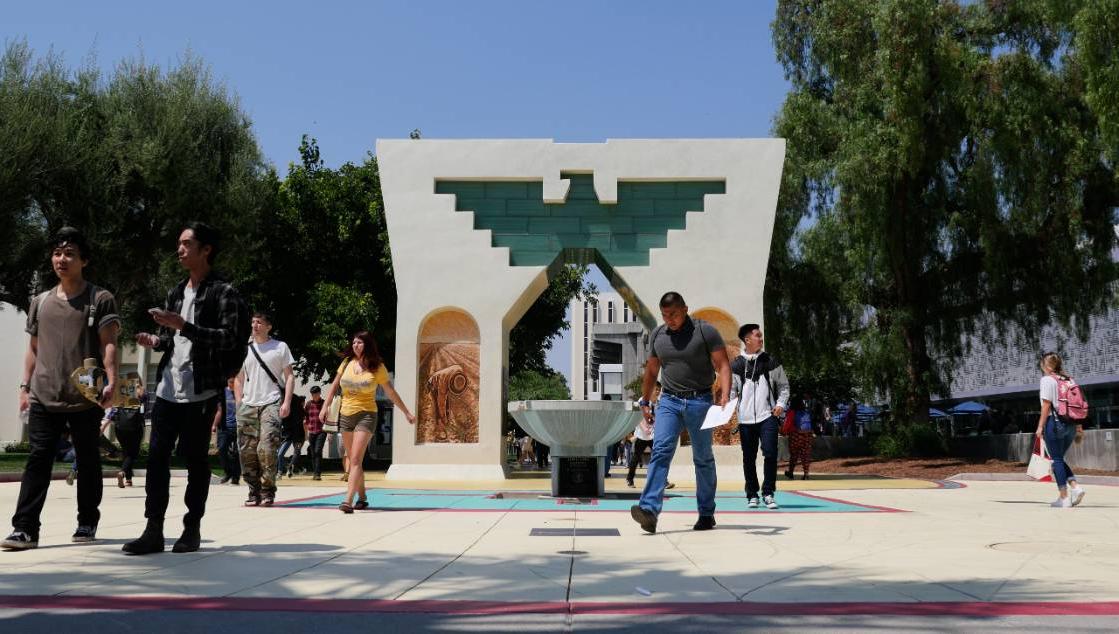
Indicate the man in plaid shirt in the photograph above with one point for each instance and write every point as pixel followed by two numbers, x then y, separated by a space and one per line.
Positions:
pixel 198 333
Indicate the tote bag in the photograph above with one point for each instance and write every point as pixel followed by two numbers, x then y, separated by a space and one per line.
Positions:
pixel 1041 466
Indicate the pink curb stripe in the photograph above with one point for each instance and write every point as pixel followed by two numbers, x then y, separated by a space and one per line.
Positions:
pixel 249 604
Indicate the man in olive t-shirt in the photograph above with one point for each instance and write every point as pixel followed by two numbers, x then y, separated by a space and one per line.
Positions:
pixel 67 324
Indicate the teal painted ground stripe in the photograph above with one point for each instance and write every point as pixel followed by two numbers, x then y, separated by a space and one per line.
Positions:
pixel 412 499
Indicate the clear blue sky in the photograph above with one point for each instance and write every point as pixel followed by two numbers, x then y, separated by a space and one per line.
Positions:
pixel 350 73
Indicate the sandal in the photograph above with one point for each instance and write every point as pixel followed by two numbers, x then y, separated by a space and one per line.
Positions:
pixel 361 504
pixel 345 507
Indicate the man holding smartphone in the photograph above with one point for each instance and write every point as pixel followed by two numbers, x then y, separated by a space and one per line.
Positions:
pixel 203 326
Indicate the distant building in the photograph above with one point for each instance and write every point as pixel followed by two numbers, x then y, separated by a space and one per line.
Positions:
pixel 608 347
pixel 1005 377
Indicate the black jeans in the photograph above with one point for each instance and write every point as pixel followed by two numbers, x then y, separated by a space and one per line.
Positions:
pixel 129 438
pixel 764 432
pixel 227 452
pixel 639 447
pixel 188 425
pixel 317 441
pixel 44 431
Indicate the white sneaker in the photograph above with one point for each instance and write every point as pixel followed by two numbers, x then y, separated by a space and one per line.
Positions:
pixel 770 503
pixel 752 503
pixel 1062 503
pixel 1077 495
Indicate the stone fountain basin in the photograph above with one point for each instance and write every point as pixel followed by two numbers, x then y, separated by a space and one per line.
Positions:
pixel 576 428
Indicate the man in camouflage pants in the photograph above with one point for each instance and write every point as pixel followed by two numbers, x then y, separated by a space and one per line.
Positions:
pixel 262 403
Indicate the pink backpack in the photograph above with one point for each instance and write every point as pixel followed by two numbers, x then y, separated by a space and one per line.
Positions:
pixel 1070 399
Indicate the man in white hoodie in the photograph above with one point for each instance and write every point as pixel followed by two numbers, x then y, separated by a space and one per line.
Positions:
pixel 764 389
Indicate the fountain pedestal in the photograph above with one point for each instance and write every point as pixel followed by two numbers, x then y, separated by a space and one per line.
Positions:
pixel 578 435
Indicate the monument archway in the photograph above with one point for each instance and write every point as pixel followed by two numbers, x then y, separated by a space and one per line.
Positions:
pixel 480 226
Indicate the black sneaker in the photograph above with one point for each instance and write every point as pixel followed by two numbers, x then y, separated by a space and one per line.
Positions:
pixel 316 477
pixel 253 499
pixel 705 523
pixel 236 481
pixel 19 540
pixel 225 480
pixel 268 500
pixel 84 534
pixel 645 518
pixel 629 483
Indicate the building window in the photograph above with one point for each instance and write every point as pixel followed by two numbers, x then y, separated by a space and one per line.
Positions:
pixel 609 312
pixel 585 311
pixel 625 313
pixel 594 313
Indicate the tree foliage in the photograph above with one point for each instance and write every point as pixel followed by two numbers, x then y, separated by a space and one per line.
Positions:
pixel 950 171
pixel 128 160
pixel 322 264
pixel 534 334
pixel 528 385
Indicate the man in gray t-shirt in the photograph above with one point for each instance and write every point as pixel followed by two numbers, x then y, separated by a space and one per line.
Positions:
pixel 69 323
pixel 689 354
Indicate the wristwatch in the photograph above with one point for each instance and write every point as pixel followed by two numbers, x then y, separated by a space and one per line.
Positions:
pixel 24 387
pixel 643 403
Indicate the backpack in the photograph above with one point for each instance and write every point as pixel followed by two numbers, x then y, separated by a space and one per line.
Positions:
pixel 1071 403
pixel 804 420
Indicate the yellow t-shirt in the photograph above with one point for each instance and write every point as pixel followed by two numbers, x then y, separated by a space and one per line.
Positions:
pixel 359 388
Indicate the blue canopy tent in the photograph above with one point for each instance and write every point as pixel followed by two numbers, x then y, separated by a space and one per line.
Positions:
pixel 866 413
pixel 969 407
pixel 936 413
pixel 968 417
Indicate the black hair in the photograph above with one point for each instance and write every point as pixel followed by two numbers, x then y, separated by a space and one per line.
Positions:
pixel 672 298
pixel 206 236
pixel 315 389
pixel 746 329
pixel 71 236
pixel 260 314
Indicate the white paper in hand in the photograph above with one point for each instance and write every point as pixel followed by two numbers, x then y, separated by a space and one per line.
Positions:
pixel 717 416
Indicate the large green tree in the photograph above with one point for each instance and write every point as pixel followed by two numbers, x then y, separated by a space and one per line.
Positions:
pixel 127 159
pixel 321 258
pixel 950 178
pixel 538 329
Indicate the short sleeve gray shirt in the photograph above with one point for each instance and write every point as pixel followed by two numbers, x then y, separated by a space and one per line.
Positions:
pixel 685 355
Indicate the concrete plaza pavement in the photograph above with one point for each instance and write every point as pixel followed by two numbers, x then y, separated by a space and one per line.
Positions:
pixel 920 555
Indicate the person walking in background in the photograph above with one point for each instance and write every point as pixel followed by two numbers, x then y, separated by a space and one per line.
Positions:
pixel 263 403
pixel 313 425
pixel 294 435
pixel 764 389
pixel 225 425
pixel 200 327
pixel 800 437
pixel 689 354
pixel 128 425
pixel 71 322
pixel 357 379
pixel 1059 431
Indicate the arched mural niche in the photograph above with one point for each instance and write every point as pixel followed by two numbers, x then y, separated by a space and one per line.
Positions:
pixel 448 373
pixel 728 330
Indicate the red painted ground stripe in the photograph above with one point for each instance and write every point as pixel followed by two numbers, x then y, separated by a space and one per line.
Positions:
pixel 247 604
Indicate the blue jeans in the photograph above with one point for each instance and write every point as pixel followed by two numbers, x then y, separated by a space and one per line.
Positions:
pixel 672 415
pixel 1058 436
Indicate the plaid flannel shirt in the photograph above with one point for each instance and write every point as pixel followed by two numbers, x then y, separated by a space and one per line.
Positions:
pixel 214 329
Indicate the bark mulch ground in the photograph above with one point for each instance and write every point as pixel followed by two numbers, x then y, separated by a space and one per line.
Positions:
pixel 925 468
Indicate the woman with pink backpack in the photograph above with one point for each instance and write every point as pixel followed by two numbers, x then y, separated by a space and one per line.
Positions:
pixel 1063 410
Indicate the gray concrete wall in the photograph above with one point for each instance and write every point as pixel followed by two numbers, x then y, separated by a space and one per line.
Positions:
pixel 1099 450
